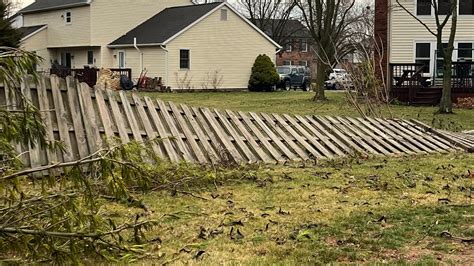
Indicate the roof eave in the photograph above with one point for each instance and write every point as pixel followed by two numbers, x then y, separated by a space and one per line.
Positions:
pixel 33 33
pixel 54 8
pixel 214 10
pixel 132 45
pixel 194 23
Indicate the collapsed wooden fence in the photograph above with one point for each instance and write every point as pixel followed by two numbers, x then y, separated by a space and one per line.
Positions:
pixel 85 119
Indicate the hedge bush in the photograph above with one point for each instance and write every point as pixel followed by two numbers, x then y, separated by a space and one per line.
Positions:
pixel 264 75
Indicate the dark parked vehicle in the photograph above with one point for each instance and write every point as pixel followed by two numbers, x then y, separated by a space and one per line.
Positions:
pixel 292 77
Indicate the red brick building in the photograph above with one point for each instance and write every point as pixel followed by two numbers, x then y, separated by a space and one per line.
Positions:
pixel 296 41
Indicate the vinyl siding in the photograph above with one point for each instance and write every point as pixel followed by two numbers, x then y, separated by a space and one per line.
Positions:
pixel 154 61
pixel 79 55
pixel 112 19
pixel 405 31
pixel 60 34
pixel 227 47
pixel 37 44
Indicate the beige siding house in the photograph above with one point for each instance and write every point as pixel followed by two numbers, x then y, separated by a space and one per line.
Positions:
pixel 78 31
pixel 188 46
pixel 213 47
pixel 409 41
pixel 411 62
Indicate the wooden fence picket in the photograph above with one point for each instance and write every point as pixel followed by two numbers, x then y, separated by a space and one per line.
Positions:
pixel 86 120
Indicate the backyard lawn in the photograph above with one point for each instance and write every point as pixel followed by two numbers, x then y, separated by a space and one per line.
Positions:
pixel 403 210
pixel 350 211
pixel 300 103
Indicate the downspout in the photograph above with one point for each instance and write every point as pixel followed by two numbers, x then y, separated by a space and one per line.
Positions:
pixel 140 52
pixel 166 64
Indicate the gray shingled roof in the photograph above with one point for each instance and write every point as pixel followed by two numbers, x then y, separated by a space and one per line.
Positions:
pixel 26 31
pixel 42 5
pixel 165 24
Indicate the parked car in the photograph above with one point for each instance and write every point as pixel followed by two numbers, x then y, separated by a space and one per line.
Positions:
pixel 338 73
pixel 340 83
pixel 292 77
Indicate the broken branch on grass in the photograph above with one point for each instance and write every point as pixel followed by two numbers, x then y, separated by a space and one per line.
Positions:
pixel 11 230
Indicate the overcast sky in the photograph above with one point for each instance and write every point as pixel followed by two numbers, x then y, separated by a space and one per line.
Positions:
pixel 25 2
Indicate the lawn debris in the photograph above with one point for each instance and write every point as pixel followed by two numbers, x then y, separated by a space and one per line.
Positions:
pixel 199 255
pixel 281 212
pixel 448 235
pixel 236 234
pixel 444 201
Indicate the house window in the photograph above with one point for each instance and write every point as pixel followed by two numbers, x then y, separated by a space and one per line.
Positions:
pixel 465 51
pixel 121 59
pixel 288 47
pixel 466 7
pixel 287 63
pixel 304 45
pixel 184 58
pixel 444 7
pixel 423 7
pixel 90 57
pixel 423 55
pixel 224 14
pixel 304 63
pixel 68 17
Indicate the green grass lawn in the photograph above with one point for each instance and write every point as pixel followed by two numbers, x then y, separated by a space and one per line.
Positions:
pixel 354 211
pixel 301 103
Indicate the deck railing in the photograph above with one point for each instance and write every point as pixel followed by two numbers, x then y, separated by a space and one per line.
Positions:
pixel 406 80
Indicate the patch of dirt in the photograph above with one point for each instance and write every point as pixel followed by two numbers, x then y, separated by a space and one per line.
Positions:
pixel 466 257
pixel 414 254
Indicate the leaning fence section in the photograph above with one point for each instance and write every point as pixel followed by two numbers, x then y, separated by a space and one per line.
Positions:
pixel 86 119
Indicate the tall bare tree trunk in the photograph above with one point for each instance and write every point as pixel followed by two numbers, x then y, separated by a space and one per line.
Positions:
pixel 319 82
pixel 446 104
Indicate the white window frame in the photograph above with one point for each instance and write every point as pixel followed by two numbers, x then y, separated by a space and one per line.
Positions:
pixel 305 63
pixel 289 45
pixel 224 11
pixel 432 15
pixel 305 47
pixel 456 47
pixel 463 15
pixel 432 54
pixel 124 59
pixel 66 17
pixel 290 61
pixel 189 63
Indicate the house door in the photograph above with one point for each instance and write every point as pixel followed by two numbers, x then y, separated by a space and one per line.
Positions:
pixel 121 59
pixel 66 60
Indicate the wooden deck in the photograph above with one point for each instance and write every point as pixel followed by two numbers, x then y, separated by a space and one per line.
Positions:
pixel 86 120
pixel 410 84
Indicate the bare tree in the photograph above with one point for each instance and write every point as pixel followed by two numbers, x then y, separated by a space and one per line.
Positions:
pixel 446 104
pixel 327 22
pixel 272 16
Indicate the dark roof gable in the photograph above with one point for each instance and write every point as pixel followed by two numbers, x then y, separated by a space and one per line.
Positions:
pixel 43 5
pixel 165 24
pixel 27 31
pixel 292 28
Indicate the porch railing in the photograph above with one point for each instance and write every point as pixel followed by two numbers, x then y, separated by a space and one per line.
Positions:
pixel 406 80
pixel 88 75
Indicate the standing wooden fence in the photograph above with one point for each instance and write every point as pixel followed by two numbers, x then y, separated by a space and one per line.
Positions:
pixel 85 119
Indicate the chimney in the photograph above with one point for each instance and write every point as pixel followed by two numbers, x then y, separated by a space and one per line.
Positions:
pixel 381 36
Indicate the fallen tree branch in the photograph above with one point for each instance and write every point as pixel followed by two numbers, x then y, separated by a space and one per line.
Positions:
pixel 448 235
pixel 11 230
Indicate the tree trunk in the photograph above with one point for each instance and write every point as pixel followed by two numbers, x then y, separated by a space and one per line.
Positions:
pixel 446 104
pixel 320 79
